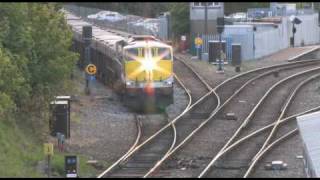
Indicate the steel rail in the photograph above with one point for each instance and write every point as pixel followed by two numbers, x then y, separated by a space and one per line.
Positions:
pixel 165 127
pixel 125 156
pixel 212 91
pixel 284 110
pixel 194 104
pixel 267 149
pixel 243 139
pixel 189 107
pixel 248 118
pixel 153 169
pixel 277 123
pixel 130 149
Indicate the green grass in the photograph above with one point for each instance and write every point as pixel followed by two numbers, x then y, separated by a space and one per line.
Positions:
pixel 75 117
pixel 20 153
pixel 83 171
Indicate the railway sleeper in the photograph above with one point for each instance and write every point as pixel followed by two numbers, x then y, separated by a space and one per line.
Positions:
pixel 144 158
pixel 137 164
pixel 232 164
pixel 198 115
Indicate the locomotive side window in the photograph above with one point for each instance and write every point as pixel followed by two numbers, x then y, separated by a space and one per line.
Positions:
pixel 163 53
pixel 133 53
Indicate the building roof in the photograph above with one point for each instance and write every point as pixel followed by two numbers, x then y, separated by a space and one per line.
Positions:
pixel 309 128
pixel 63 97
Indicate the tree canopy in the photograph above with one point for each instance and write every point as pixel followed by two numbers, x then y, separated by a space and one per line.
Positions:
pixel 34 53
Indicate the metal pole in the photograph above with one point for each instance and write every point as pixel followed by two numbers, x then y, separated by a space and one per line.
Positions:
pixel 205 18
pixel 87 43
pixel 293 34
pixel 87 56
pixel 220 48
pixel 49 166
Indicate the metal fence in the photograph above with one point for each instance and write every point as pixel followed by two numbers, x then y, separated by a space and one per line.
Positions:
pixel 212 37
pixel 157 27
pixel 215 37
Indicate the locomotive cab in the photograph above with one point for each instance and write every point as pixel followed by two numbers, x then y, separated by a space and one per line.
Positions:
pixel 148 71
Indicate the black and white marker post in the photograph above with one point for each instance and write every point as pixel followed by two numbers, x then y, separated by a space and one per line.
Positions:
pixel 87 36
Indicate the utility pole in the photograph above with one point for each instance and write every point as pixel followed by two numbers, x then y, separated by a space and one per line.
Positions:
pixel 220 28
pixel 293 32
pixel 205 18
pixel 49 165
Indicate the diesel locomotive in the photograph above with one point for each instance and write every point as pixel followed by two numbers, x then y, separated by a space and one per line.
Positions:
pixel 138 67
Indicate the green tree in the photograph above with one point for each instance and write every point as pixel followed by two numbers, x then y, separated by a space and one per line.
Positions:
pixel 180 19
pixel 35 60
pixel 233 7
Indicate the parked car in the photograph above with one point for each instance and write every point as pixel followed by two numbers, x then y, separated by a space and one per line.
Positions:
pixel 237 17
pixel 107 16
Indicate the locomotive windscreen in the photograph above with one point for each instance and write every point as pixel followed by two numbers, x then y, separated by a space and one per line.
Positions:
pixel 162 53
pixel 133 54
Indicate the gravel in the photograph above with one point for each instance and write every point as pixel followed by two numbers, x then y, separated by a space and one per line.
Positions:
pixel 210 135
pixel 289 150
pixel 102 128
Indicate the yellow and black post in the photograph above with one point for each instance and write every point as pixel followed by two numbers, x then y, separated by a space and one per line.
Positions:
pixel 48 150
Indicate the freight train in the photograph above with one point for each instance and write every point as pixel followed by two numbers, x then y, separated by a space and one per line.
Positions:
pixel 138 68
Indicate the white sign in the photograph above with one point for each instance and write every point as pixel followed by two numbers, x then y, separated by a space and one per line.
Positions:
pixel 71 175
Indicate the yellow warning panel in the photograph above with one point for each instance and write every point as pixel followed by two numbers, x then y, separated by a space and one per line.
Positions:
pixel 48 149
pixel 198 41
pixel 91 69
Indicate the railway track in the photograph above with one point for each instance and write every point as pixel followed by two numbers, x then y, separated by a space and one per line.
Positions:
pixel 248 125
pixel 137 160
pixel 228 100
pixel 192 133
pixel 169 147
pixel 279 132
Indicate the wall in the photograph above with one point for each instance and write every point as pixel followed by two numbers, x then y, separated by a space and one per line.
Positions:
pixel 197 18
pixel 242 34
pixel 307 31
pixel 267 39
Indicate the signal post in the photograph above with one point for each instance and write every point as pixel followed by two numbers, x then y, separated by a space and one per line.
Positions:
pixel 220 28
pixel 87 36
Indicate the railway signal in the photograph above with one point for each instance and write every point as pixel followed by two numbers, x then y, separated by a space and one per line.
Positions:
pixel 294 20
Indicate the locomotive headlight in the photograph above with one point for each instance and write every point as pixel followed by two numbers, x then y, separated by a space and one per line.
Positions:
pixel 169 81
pixel 129 83
pixel 148 65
